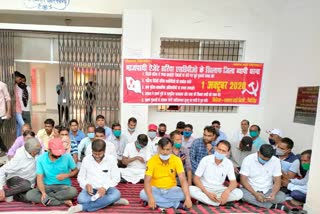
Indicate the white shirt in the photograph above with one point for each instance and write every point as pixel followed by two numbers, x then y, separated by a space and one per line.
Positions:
pixel 104 174
pixel 213 175
pixel 110 149
pixel 119 144
pixel 22 164
pixel 130 137
pixel 131 151
pixel 237 137
pixel 153 145
pixel 260 177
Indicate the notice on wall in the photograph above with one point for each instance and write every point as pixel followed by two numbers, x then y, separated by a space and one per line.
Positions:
pixel 185 82
pixel 306 105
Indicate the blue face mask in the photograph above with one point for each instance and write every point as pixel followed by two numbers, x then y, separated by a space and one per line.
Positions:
pixel 138 146
pixel 152 134
pixel 187 134
pixel 272 142
pixel 177 145
pixel 90 135
pixel 117 133
pixel 165 157
pixel 219 156
pixel 263 162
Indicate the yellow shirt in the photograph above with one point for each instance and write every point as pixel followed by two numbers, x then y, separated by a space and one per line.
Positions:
pixel 164 175
pixel 44 137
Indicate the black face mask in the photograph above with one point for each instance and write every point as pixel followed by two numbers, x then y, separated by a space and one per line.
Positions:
pixel 161 134
pixel 272 142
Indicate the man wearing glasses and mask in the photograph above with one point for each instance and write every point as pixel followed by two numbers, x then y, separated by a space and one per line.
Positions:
pixel 19 173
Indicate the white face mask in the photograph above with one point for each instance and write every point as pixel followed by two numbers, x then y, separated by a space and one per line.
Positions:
pixel 165 157
pixel 152 134
pixel 131 129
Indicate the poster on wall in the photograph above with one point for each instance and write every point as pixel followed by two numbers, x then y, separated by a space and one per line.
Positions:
pixel 187 82
pixel 306 105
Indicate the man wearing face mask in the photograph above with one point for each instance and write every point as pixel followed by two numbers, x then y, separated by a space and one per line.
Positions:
pixel 160 185
pixel 84 143
pixel 54 170
pixel 153 139
pixel 283 152
pixel 135 157
pixel 131 133
pixel 275 136
pixel 298 187
pixel 254 133
pixel 261 179
pixel 211 175
pixel 187 139
pixel 119 141
pixel 97 178
pixel 182 153
pixel 19 174
pixel 162 130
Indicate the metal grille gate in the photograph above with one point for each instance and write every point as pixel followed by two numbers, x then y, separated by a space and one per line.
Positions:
pixel 8 128
pixel 90 65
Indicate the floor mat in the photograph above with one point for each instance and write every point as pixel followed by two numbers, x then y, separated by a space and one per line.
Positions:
pixel 131 193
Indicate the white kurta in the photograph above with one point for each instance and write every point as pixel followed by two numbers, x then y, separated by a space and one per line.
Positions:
pixel 135 170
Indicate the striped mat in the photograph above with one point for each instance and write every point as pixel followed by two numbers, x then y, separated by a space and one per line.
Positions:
pixel 131 193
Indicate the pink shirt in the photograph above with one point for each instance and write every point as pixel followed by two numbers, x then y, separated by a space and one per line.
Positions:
pixel 4 97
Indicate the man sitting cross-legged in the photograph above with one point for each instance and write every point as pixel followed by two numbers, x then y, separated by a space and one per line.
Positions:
pixel 261 179
pixel 54 170
pixel 210 176
pixel 98 176
pixel 160 185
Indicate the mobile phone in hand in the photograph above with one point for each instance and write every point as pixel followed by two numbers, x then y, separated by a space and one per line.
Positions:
pixel 46 201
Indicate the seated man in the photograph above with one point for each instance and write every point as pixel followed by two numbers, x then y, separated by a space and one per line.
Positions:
pixel 254 132
pixel 160 185
pixel 101 122
pixel 153 139
pixel 54 170
pixel 162 128
pixel 222 136
pixel 46 134
pixel 135 157
pixel 99 133
pixel 187 138
pixel 76 134
pixel 210 176
pixel 202 147
pixel 275 136
pixel 182 153
pixel 98 176
pixel 298 187
pixel 19 142
pixel 283 152
pixel 19 174
pixel 85 142
pixel 119 141
pixel 261 179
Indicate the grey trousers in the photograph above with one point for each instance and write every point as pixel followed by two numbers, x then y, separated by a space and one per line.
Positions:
pixel 17 187
pixel 248 197
pixel 56 193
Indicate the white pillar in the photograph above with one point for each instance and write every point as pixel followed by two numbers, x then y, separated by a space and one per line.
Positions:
pixel 136 43
pixel 313 196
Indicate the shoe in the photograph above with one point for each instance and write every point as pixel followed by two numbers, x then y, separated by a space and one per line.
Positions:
pixel 122 201
pixel 280 207
pixel 75 209
pixel 144 203
pixel 182 207
pixel 123 181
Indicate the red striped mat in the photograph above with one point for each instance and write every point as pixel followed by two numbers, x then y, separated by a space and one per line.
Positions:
pixel 131 193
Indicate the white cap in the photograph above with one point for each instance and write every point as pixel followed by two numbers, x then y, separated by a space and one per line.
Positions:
pixel 275 131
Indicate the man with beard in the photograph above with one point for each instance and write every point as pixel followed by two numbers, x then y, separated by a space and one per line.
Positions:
pixel 203 146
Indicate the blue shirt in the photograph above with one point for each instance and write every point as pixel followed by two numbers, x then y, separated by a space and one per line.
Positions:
pixel 197 152
pixel 222 136
pixel 50 169
pixel 79 136
pixel 258 142
pixel 286 163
